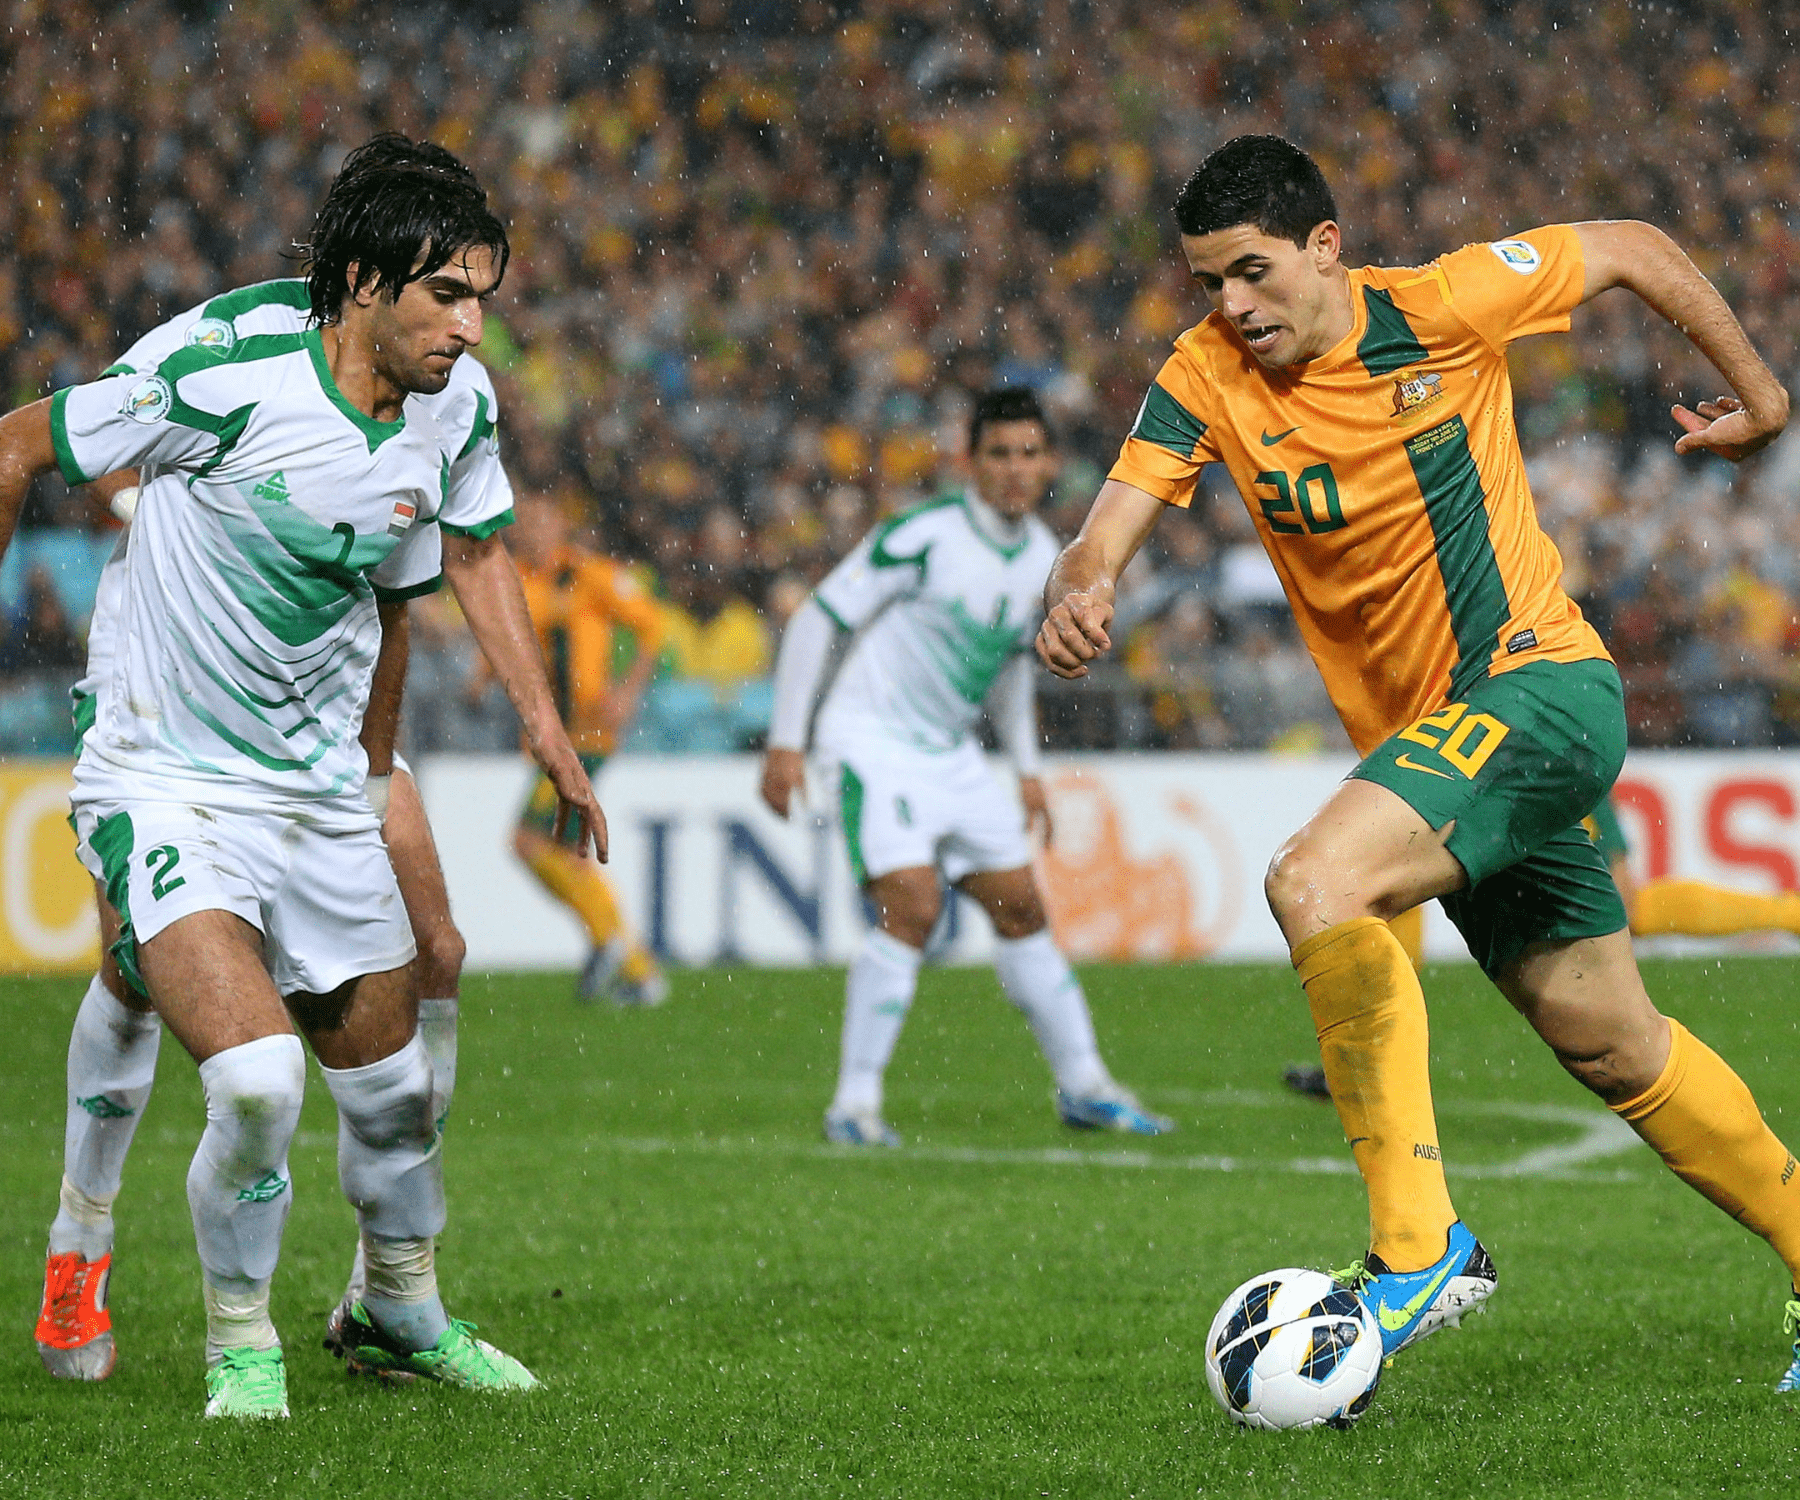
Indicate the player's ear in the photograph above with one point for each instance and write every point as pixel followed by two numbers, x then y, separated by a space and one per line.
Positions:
pixel 362 296
pixel 1325 244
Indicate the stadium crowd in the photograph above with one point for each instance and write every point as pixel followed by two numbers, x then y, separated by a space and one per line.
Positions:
pixel 765 249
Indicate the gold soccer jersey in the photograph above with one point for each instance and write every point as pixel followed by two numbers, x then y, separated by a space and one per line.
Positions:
pixel 1385 478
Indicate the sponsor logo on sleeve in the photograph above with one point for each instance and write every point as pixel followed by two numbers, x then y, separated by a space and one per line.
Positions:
pixel 1517 255
pixel 148 401
pixel 211 333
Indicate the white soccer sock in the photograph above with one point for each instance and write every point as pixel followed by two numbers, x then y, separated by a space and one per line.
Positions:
pixel 402 1294
pixel 877 995
pixel 437 1030
pixel 238 1320
pixel 238 1186
pixel 112 1063
pixel 1038 979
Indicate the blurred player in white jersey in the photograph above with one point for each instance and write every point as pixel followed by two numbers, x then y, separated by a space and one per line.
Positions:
pixel 220 790
pixel 935 611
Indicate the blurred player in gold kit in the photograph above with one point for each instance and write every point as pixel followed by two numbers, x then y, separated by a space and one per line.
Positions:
pixel 579 601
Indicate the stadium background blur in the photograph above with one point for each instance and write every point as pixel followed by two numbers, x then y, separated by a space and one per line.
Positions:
pixel 764 249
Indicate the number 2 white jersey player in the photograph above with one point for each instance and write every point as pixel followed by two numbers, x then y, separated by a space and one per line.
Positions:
pixel 219 794
pixel 113 1048
pixel 940 606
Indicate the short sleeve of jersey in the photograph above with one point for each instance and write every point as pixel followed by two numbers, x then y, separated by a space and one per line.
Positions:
pixel 886 565
pixel 1168 445
pixel 1511 289
pixel 479 498
pixel 122 421
pixel 414 567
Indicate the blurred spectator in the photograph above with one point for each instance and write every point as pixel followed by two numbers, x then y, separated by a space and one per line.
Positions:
pixel 763 251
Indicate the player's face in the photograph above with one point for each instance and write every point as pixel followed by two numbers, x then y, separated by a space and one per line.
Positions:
pixel 420 334
pixel 1282 299
pixel 1013 465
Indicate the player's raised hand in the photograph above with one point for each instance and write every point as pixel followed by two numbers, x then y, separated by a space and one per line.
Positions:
pixel 1074 633
pixel 1726 427
pixel 783 773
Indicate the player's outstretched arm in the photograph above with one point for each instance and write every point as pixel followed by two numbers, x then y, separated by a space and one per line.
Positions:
pixel 1641 258
pixel 486 582
pixel 1078 599
pixel 26 450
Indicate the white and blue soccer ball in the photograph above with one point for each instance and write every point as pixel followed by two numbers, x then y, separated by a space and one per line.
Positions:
pixel 1293 1349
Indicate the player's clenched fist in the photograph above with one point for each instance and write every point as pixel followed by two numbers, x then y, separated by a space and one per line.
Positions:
pixel 1075 633
pixel 784 772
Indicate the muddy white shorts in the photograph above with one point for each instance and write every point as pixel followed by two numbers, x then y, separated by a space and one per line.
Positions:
pixel 319 888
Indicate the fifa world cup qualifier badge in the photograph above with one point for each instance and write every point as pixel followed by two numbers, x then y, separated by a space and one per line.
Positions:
pixel 149 400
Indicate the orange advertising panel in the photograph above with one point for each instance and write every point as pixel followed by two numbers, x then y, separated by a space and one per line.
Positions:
pixel 47 922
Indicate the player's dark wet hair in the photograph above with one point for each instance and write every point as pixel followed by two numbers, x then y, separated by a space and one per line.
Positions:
pixel 1256 179
pixel 1016 403
pixel 397 210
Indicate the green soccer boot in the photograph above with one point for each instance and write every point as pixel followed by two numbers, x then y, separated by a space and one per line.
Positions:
pixel 247 1383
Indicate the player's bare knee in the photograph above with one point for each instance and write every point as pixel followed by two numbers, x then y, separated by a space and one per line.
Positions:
pixel 1614 1076
pixel 907 914
pixel 1018 916
pixel 439 965
pixel 1294 884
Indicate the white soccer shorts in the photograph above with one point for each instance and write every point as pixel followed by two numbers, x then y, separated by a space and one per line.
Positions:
pixel 320 890
pixel 903 808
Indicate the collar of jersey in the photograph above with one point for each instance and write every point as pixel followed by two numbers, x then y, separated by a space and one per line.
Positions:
pixel 988 524
pixel 376 432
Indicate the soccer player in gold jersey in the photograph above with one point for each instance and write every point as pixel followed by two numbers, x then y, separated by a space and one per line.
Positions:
pixel 1366 417
pixel 579 602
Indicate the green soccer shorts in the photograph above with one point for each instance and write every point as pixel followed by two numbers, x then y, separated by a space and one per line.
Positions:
pixel 1516 766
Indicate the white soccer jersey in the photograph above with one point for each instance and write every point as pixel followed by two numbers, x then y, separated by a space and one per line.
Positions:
pixel 941 599
pixel 233 647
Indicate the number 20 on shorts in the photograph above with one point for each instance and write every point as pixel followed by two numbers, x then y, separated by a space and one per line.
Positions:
pixel 1452 732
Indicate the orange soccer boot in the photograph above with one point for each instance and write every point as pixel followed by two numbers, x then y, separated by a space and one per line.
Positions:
pixel 74 1330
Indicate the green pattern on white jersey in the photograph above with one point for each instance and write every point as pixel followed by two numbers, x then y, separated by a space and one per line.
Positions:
pixel 940 600
pixel 232 643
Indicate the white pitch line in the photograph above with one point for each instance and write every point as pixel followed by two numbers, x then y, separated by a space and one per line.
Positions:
pixel 1601 1135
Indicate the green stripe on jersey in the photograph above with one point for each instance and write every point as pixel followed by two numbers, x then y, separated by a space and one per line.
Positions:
pixel 408 591
pixel 1388 344
pixel 1164 421
pixel 1457 505
pixel 483 427
pixel 481 530
pixel 59 440
pixel 287 292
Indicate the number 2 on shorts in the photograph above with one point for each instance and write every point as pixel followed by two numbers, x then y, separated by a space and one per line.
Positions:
pixel 1457 727
pixel 161 862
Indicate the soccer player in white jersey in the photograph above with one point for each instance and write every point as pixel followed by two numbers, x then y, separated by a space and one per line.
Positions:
pixel 936 610
pixel 220 792
pixel 116 1036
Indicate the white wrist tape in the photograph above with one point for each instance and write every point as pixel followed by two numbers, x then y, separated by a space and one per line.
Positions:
pixel 124 503
pixel 375 788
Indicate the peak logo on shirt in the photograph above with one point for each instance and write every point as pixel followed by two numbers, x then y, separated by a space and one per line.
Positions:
pixel 149 400
pixel 1417 391
pixel 1517 255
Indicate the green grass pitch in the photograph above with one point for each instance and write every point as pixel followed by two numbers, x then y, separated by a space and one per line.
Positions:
pixel 718 1304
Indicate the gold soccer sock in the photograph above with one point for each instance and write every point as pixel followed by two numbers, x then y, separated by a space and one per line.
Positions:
pixel 1370 1015
pixel 579 885
pixel 1409 928
pixel 1700 1119
pixel 1700 910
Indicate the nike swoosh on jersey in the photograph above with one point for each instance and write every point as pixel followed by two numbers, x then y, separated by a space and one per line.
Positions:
pixel 1270 442
pixel 1407 763
pixel 1394 1319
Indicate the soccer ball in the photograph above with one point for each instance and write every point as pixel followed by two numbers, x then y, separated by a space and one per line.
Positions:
pixel 1293 1349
